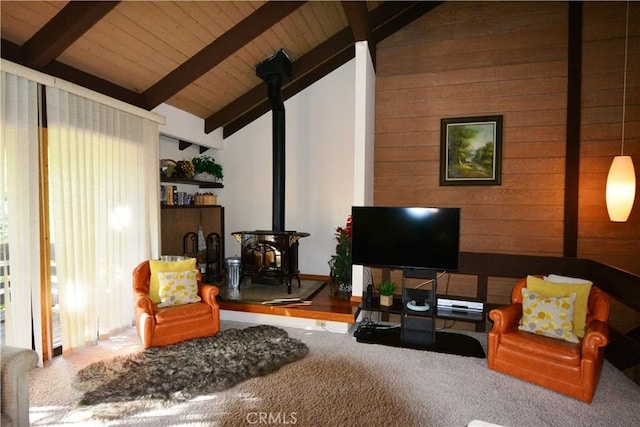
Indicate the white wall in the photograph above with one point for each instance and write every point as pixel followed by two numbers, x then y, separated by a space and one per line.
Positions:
pixel 329 162
pixel 364 139
pixel 319 169
pixel 187 127
pixel 169 150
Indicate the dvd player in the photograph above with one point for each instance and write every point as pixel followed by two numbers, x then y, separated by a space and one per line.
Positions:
pixel 454 304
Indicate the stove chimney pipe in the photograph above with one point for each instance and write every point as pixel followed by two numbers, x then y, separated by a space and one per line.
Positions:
pixel 275 71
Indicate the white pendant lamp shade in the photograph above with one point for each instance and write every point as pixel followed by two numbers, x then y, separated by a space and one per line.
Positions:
pixel 621 188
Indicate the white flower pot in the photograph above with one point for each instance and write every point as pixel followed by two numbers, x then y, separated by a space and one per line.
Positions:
pixel 204 176
pixel 386 300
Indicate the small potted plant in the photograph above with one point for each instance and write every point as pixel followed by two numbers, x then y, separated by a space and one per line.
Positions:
pixel 386 290
pixel 206 168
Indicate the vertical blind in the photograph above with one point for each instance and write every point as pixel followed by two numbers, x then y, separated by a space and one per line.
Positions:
pixel 19 207
pixel 104 209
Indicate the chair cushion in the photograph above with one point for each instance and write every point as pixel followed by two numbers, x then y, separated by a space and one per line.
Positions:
pixel 157 266
pixel 565 352
pixel 548 316
pixel 182 312
pixel 549 289
pixel 178 288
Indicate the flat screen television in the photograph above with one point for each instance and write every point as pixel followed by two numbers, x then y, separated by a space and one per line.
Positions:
pixel 406 237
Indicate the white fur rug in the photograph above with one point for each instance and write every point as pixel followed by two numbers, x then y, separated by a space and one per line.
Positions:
pixel 164 376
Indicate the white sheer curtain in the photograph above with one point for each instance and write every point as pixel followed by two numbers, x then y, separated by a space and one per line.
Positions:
pixel 103 172
pixel 19 212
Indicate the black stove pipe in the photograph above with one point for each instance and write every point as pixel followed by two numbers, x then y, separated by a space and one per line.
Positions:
pixel 275 71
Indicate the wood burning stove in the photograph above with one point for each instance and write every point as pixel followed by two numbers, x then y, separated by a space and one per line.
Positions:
pixel 271 256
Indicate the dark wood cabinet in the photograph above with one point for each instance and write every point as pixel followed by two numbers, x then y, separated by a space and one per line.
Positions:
pixel 177 221
pixel 179 236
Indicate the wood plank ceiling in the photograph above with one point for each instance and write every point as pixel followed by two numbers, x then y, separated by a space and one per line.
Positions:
pixel 198 56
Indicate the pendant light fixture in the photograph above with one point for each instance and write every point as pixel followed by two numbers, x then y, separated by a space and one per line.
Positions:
pixel 621 181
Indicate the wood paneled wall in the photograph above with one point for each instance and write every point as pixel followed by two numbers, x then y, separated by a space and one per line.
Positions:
pixel 616 244
pixel 486 58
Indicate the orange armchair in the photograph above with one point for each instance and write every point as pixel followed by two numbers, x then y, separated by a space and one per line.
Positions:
pixel 160 326
pixel 569 368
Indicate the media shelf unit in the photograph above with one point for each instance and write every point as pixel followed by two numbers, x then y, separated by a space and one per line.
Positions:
pixel 418 328
pixel 201 184
pixel 177 220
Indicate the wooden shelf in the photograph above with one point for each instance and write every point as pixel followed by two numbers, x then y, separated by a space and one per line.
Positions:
pixel 201 184
pixel 189 206
pixel 396 308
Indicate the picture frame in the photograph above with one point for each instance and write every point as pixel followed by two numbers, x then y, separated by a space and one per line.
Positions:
pixel 471 150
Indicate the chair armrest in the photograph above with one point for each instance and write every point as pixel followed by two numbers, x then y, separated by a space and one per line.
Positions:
pixel 599 305
pixel 505 318
pixel 208 294
pixel 596 336
pixel 16 365
pixel 144 303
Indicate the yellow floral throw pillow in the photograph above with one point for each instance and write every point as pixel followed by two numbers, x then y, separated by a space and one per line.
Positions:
pixel 158 266
pixel 178 288
pixel 550 289
pixel 548 316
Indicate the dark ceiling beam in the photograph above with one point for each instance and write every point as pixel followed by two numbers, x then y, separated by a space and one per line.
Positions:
pixel 90 81
pixel 63 30
pixel 385 20
pixel 258 95
pixel 358 18
pixel 390 17
pixel 220 49
pixel 14 53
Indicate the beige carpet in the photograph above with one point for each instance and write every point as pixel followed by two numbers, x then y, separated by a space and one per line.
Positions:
pixel 345 383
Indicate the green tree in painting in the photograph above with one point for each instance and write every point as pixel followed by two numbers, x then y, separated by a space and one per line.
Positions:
pixel 467 158
pixel 484 155
pixel 460 143
pixel 459 146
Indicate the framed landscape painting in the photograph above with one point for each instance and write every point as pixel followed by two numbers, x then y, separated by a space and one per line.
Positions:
pixel 471 150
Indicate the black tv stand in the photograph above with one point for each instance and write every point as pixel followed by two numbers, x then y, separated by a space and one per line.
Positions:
pixel 418 328
pixel 445 342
